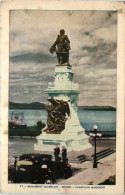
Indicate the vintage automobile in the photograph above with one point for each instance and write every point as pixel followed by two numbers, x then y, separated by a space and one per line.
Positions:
pixel 38 168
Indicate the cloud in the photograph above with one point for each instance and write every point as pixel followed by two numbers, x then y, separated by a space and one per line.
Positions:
pixel 93 55
pixel 33 58
pixel 109 37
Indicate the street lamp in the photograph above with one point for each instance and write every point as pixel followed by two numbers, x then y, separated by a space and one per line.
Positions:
pixel 95 135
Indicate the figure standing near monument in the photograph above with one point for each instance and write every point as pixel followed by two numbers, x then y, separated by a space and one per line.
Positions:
pixel 64 154
pixel 61 47
pixel 56 153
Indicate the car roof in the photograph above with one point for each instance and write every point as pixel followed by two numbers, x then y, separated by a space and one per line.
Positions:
pixel 35 156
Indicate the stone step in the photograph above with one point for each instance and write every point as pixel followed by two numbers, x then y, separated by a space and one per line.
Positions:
pixel 111 152
pixel 81 158
pixel 106 150
pixel 74 160
pixel 104 153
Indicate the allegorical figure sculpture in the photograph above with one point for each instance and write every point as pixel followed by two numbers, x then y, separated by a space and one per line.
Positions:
pixel 56 115
pixel 61 47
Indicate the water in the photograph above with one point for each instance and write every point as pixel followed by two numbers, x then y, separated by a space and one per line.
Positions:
pixel 31 116
pixel 19 146
pixel 105 120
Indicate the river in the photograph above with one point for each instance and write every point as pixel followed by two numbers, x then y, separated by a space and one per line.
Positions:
pixel 105 120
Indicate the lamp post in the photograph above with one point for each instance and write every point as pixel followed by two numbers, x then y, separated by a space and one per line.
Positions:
pixel 95 135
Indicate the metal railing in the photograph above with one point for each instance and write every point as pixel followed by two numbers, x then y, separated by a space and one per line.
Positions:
pixel 104 133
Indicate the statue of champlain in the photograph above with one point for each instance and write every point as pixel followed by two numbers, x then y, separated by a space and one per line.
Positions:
pixel 59 109
pixel 61 47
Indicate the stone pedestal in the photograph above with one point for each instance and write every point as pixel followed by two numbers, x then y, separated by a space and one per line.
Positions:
pixel 73 137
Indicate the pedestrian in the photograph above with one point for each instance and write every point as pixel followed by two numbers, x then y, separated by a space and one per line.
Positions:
pixel 15 163
pixel 64 154
pixel 56 153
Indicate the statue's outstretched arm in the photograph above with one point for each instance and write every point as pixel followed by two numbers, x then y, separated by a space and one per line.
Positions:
pixel 54 102
pixel 56 42
pixel 53 47
pixel 57 102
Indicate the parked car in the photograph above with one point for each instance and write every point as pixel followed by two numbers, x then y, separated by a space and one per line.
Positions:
pixel 38 168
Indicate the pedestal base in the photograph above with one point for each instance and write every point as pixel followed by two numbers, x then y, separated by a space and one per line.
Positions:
pixel 73 138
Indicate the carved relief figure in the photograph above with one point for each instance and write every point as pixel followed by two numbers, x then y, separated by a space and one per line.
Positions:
pixel 56 115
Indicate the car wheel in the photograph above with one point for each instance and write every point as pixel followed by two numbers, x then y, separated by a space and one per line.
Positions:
pixel 10 181
pixel 48 181
pixel 67 174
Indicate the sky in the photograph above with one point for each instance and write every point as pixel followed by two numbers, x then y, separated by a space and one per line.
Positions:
pixel 93 54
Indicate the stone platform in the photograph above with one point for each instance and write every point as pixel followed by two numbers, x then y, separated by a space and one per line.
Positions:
pixel 73 137
pixel 105 147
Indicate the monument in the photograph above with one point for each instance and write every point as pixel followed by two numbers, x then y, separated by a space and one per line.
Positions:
pixel 63 127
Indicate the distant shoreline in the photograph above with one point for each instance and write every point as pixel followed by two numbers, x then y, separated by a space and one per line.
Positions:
pixel 100 108
pixel 38 105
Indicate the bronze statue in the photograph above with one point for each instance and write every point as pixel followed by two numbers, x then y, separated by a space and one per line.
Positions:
pixel 56 118
pixel 61 47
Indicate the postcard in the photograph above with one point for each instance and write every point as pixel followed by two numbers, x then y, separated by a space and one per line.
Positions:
pixel 62 97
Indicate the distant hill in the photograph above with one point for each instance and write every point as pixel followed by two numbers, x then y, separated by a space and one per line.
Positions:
pixel 110 108
pixel 33 105
pixel 38 105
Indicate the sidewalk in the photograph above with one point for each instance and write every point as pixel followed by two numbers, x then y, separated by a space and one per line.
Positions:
pixel 106 168
pixel 102 144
